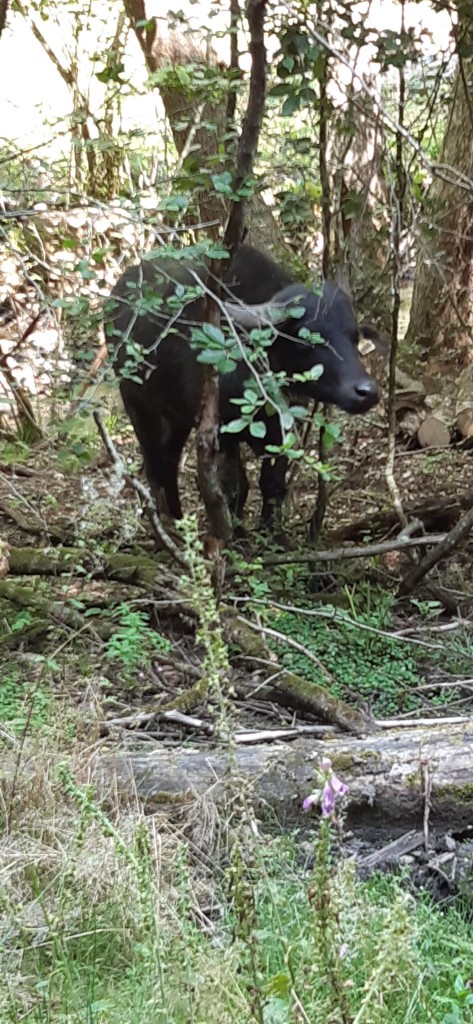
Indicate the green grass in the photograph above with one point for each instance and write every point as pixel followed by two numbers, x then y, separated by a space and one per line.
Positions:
pixel 24 700
pixel 108 920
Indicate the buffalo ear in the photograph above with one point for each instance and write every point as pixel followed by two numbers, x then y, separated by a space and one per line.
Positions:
pixel 371 340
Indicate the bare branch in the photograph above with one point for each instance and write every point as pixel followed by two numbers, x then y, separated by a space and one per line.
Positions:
pixel 339 554
pixel 397 223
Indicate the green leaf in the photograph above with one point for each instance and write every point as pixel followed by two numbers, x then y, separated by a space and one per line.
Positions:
pixel 234 427
pixel 84 270
pixel 279 985
pixel 209 356
pixel 214 334
pixel 299 411
pixel 310 375
pixel 227 365
pixel 296 312
pixel 222 183
pixel 287 420
pixel 309 96
pixel 111 74
pixel 208 334
pixel 217 252
pixel 279 90
pixel 174 204
pixel 250 395
pixel 258 429
pixel 292 104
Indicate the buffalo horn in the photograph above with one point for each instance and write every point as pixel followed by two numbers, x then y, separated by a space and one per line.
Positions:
pixel 255 316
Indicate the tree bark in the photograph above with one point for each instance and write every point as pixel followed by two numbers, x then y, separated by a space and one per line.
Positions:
pixel 199 127
pixel 3 14
pixel 207 433
pixel 441 320
pixel 360 221
pixel 384 773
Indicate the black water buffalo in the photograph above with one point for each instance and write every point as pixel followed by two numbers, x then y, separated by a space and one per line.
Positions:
pixel 164 402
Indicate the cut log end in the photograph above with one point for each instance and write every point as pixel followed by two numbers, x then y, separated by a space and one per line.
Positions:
pixel 433 433
pixel 465 424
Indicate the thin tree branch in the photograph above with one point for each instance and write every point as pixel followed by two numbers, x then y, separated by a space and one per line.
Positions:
pixel 234 65
pixel 207 432
pixel 339 554
pixel 397 202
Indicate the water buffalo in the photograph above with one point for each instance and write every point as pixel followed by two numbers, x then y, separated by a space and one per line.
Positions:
pixel 162 392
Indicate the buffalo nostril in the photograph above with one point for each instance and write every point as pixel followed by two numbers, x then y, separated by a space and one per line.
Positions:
pixel 367 389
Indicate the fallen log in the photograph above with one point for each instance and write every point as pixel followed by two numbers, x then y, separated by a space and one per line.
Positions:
pixel 133 569
pixel 435 515
pixel 385 774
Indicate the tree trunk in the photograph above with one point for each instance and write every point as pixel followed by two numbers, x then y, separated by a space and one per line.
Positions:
pixel 441 321
pixel 360 221
pixel 198 127
pixel 3 14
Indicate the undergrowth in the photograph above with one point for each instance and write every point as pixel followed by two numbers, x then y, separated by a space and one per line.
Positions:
pixel 366 662
pixel 25 700
pixel 109 915
pixel 116 921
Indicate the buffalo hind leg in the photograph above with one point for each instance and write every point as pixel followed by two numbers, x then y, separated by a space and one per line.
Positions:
pixel 161 446
pixel 233 478
pixel 273 488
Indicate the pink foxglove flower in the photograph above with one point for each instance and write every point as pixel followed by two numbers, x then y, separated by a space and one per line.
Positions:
pixel 333 789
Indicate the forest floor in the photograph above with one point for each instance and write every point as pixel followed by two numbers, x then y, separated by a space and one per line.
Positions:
pixel 113 913
pixel 64 493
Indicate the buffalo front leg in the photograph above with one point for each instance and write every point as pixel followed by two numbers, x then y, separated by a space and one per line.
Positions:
pixel 161 446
